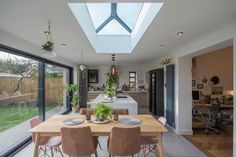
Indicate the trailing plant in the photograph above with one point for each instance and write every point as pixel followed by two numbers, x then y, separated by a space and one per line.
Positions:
pixel 102 111
pixel 111 84
pixel 48 46
pixel 75 99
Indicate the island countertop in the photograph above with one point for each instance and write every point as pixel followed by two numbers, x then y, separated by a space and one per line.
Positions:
pixel 128 103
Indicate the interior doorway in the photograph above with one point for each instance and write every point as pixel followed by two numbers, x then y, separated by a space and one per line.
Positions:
pixel 212 102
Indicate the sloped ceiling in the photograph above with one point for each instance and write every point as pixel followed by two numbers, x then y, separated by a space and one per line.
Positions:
pixel 28 20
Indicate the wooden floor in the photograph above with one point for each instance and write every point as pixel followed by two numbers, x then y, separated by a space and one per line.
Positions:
pixel 214 145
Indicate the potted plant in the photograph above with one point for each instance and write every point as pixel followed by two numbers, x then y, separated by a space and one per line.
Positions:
pixel 111 84
pixel 102 111
pixel 75 99
pixel 48 46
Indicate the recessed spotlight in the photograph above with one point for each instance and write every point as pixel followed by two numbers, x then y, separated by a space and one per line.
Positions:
pixel 180 33
pixel 63 44
pixel 162 45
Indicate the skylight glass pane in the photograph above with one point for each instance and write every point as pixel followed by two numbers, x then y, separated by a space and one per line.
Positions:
pixel 113 28
pixel 99 12
pixel 129 12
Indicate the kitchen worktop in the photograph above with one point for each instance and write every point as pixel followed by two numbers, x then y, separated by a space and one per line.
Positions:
pixel 128 103
pixel 141 97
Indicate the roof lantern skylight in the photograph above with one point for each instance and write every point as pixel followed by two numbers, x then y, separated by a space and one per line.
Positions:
pixel 114 18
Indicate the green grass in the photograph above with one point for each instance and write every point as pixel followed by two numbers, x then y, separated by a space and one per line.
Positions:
pixel 12 116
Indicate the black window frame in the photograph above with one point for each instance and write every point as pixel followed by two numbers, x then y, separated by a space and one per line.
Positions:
pixel 42 61
pixel 135 77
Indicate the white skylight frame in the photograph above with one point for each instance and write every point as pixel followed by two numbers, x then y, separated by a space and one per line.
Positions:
pixel 115 43
pixel 115 17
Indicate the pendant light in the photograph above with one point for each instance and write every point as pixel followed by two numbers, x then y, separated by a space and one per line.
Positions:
pixel 114 71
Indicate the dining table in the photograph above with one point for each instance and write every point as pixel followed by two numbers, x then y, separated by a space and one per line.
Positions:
pixel 52 127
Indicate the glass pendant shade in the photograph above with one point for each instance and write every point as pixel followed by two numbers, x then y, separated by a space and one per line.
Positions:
pixel 113 70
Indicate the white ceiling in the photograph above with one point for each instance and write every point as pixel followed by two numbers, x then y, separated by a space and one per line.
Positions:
pixel 28 20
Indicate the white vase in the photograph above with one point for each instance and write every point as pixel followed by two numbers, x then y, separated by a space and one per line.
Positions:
pixel 105 97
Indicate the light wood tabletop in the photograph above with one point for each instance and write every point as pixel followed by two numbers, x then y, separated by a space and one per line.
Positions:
pixel 51 127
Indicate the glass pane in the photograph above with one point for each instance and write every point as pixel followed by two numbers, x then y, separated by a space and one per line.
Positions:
pixel 113 28
pixel 18 98
pixel 132 80
pixel 132 74
pixel 129 13
pixel 56 96
pixel 99 12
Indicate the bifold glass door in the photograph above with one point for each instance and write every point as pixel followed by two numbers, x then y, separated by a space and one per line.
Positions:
pixel 18 98
pixel 56 95
pixel 29 87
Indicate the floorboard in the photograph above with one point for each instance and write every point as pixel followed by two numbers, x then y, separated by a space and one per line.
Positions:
pixel 214 145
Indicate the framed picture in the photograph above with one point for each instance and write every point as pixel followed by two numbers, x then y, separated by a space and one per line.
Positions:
pixel 193 83
pixel 217 90
pixel 199 86
pixel 92 76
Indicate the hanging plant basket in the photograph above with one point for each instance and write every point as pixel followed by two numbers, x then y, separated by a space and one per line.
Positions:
pixel 48 46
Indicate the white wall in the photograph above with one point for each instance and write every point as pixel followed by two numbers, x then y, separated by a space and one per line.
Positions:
pixel 20 44
pixel 123 73
pixel 217 63
pixel 102 70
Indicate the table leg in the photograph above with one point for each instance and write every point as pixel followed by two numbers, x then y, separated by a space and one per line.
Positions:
pixel 160 145
pixel 36 145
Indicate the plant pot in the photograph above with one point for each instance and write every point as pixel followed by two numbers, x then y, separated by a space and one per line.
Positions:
pixel 75 109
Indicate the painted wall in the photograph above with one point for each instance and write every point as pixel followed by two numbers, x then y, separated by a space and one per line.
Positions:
pixel 18 43
pixel 123 73
pixel 218 63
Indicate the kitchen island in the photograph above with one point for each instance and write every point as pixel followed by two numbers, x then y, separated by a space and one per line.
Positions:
pixel 128 103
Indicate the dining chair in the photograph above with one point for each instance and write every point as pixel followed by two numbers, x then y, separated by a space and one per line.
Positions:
pixel 78 141
pixel 124 141
pixel 121 111
pixel 53 142
pixel 208 118
pixel 84 111
pixel 149 142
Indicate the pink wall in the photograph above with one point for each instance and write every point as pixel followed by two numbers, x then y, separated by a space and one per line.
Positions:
pixel 218 63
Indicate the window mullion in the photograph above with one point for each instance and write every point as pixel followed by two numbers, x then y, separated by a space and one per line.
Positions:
pixel 41 93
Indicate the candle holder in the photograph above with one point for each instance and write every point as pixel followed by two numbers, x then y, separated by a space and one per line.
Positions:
pixel 115 116
pixel 88 116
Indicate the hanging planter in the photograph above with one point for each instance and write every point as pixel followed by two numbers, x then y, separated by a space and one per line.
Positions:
pixel 48 46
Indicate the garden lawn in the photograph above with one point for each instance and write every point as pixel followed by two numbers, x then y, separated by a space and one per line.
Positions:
pixel 12 116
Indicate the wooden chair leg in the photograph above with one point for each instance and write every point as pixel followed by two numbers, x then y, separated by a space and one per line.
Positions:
pixel 52 152
pixel 60 151
pixel 96 154
pixel 45 151
pixel 99 145
pixel 144 151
